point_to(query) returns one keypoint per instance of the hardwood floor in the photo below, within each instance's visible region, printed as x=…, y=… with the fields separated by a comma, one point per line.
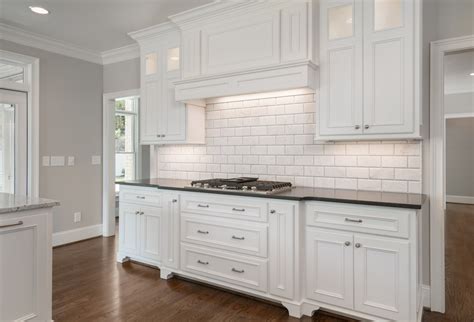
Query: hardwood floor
x=88, y=285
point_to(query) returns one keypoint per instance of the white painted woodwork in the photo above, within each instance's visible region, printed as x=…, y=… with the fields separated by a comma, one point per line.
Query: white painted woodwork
x=368, y=75
x=129, y=225
x=150, y=233
x=329, y=267
x=225, y=266
x=382, y=277
x=170, y=238
x=141, y=196
x=282, y=252
x=294, y=32
x=26, y=266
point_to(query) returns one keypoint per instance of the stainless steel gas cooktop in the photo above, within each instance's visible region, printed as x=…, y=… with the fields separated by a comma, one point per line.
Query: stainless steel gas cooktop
x=242, y=184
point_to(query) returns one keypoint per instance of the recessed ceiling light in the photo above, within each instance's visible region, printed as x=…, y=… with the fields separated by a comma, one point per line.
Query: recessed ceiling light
x=472, y=74
x=39, y=10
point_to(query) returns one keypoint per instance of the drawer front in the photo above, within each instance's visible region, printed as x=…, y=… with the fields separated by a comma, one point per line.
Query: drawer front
x=228, y=206
x=143, y=196
x=226, y=267
x=225, y=234
x=367, y=219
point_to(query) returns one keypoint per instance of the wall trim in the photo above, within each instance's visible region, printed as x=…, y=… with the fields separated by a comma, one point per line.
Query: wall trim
x=458, y=115
x=74, y=235
x=460, y=199
x=426, y=295
x=120, y=54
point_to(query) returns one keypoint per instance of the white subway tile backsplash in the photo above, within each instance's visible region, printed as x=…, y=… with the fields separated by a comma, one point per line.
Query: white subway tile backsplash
x=273, y=138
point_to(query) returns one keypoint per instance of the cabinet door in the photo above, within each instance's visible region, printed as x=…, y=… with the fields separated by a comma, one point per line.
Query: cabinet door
x=171, y=214
x=340, y=110
x=25, y=268
x=129, y=225
x=282, y=249
x=382, y=275
x=174, y=114
x=150, y=233
x=329, y=267
x=151, y=111
x=388, y=66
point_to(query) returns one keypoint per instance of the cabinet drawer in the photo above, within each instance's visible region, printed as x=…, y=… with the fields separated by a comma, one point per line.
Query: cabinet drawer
x=230, y=207
x=226, y=267
x=142, y=196
x=367, y=219
x=225, y=234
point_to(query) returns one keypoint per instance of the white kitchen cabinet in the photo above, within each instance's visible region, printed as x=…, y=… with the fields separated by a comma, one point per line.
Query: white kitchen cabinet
x=129, y=224
x=382, y=277
x=26, y=266
x=162, y=119
x=150, y=233
x=282, y=249
x=369, y=79
x=171, y=216
x=329, y=267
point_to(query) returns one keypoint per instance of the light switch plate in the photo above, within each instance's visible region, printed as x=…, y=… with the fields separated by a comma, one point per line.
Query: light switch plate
x=57, y=161
x=96, y=159
x=70, y=160
x=77, y=217
x=46, y=161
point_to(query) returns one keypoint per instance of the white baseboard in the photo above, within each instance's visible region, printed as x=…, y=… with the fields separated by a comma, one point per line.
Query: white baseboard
x=460, y=199
x=74, y=235
x=426, y=290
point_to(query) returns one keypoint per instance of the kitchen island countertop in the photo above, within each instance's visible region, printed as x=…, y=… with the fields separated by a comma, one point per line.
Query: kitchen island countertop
x=12, y=203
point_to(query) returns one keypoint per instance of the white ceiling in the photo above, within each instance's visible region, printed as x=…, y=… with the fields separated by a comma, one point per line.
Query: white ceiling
x=95, y=25
x=457, y=68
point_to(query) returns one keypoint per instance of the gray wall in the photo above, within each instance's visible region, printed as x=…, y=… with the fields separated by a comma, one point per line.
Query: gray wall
x=123, y=76
x=460, y=157
x=70, y=125
x=459, y=103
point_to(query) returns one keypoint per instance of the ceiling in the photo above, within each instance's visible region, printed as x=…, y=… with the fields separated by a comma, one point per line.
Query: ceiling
x=457, y=68
x=95, y=25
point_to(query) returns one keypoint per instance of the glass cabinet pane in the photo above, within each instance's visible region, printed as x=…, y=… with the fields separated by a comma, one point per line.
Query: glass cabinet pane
x=340, y=20
x=173, y=59
x=151, y=63
x=387, y=14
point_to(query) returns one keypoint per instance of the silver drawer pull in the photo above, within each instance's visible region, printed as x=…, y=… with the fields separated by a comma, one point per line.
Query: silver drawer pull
x=238, y=209
x=354, y=220
x=203, y=232
x=12, y=225
x=140, y=197
x=201, y=262
x=272, y=211
x=203, y=206
x=174, y=200
x=237, y=270
x=238, y=238
x=137, y=212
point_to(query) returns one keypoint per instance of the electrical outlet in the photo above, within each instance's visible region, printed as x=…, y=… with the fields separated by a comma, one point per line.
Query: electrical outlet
x=96, y=159
x=77, y=217
x=70, y=161
x=46, y=161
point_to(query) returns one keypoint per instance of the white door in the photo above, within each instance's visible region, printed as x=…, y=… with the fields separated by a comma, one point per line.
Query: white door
x=340, y=111
x=13, y=142
x=174, y=114
x=171, y=230
x=129, y=225
x=382, y=277
x=25, y=269
x=329, y=267
x=150, y=233
x=388, y=66
x=281, y=247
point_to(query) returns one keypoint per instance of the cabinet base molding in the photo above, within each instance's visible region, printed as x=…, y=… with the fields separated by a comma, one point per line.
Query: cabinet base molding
x=294, y=309
x=308, y=309
x=122, y=258
x=165, y=274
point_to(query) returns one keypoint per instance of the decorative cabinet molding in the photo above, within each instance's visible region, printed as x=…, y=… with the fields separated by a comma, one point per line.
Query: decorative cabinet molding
x=163, y=120
x=246, y=47
x=369, y=82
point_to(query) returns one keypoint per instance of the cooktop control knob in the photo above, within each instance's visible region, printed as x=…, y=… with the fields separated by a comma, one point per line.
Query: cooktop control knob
x=254, y=188
x=206, y=185
x=245, y=188
x=224, y=186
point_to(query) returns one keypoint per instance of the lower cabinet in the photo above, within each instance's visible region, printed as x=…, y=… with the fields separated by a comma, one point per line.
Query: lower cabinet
x=171, y=209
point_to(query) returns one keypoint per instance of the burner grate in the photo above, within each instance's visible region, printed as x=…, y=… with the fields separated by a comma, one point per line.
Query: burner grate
x=243, y=184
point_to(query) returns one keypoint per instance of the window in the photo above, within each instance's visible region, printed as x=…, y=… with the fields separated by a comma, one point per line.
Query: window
x=126, y=139
x=11, y=72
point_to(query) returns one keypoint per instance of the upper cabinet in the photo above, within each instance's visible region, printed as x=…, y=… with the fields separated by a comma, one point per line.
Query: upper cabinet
x=163, y=120
x=232, y=48
x=369, y=67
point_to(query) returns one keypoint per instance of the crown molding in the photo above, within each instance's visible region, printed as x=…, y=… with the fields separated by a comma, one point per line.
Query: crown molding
x=31, y=39
x=162, y=29
x=120, y=54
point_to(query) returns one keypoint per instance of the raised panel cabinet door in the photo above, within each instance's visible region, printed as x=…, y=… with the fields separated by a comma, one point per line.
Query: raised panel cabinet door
x=170, y=231
x=389, y=102
x=282, y=249
x=151, y=233
x=174, y=115
x=382, y=277
x=151, y=111
x=294, y=32
x=340, y=110
x=129, y=225
x=329, y=267
x=25, y=268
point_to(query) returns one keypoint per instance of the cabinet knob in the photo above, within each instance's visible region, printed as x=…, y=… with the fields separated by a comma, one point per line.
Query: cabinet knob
x=272, y=211
x=357, y=127
x=163, y=135
x=175, y=200
x=142, y=213
x=347, y=243
x=137, y=212
x=357, y=245
x=366, y=126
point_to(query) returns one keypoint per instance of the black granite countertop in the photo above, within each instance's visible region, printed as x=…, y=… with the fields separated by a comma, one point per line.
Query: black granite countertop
x=375, y=198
